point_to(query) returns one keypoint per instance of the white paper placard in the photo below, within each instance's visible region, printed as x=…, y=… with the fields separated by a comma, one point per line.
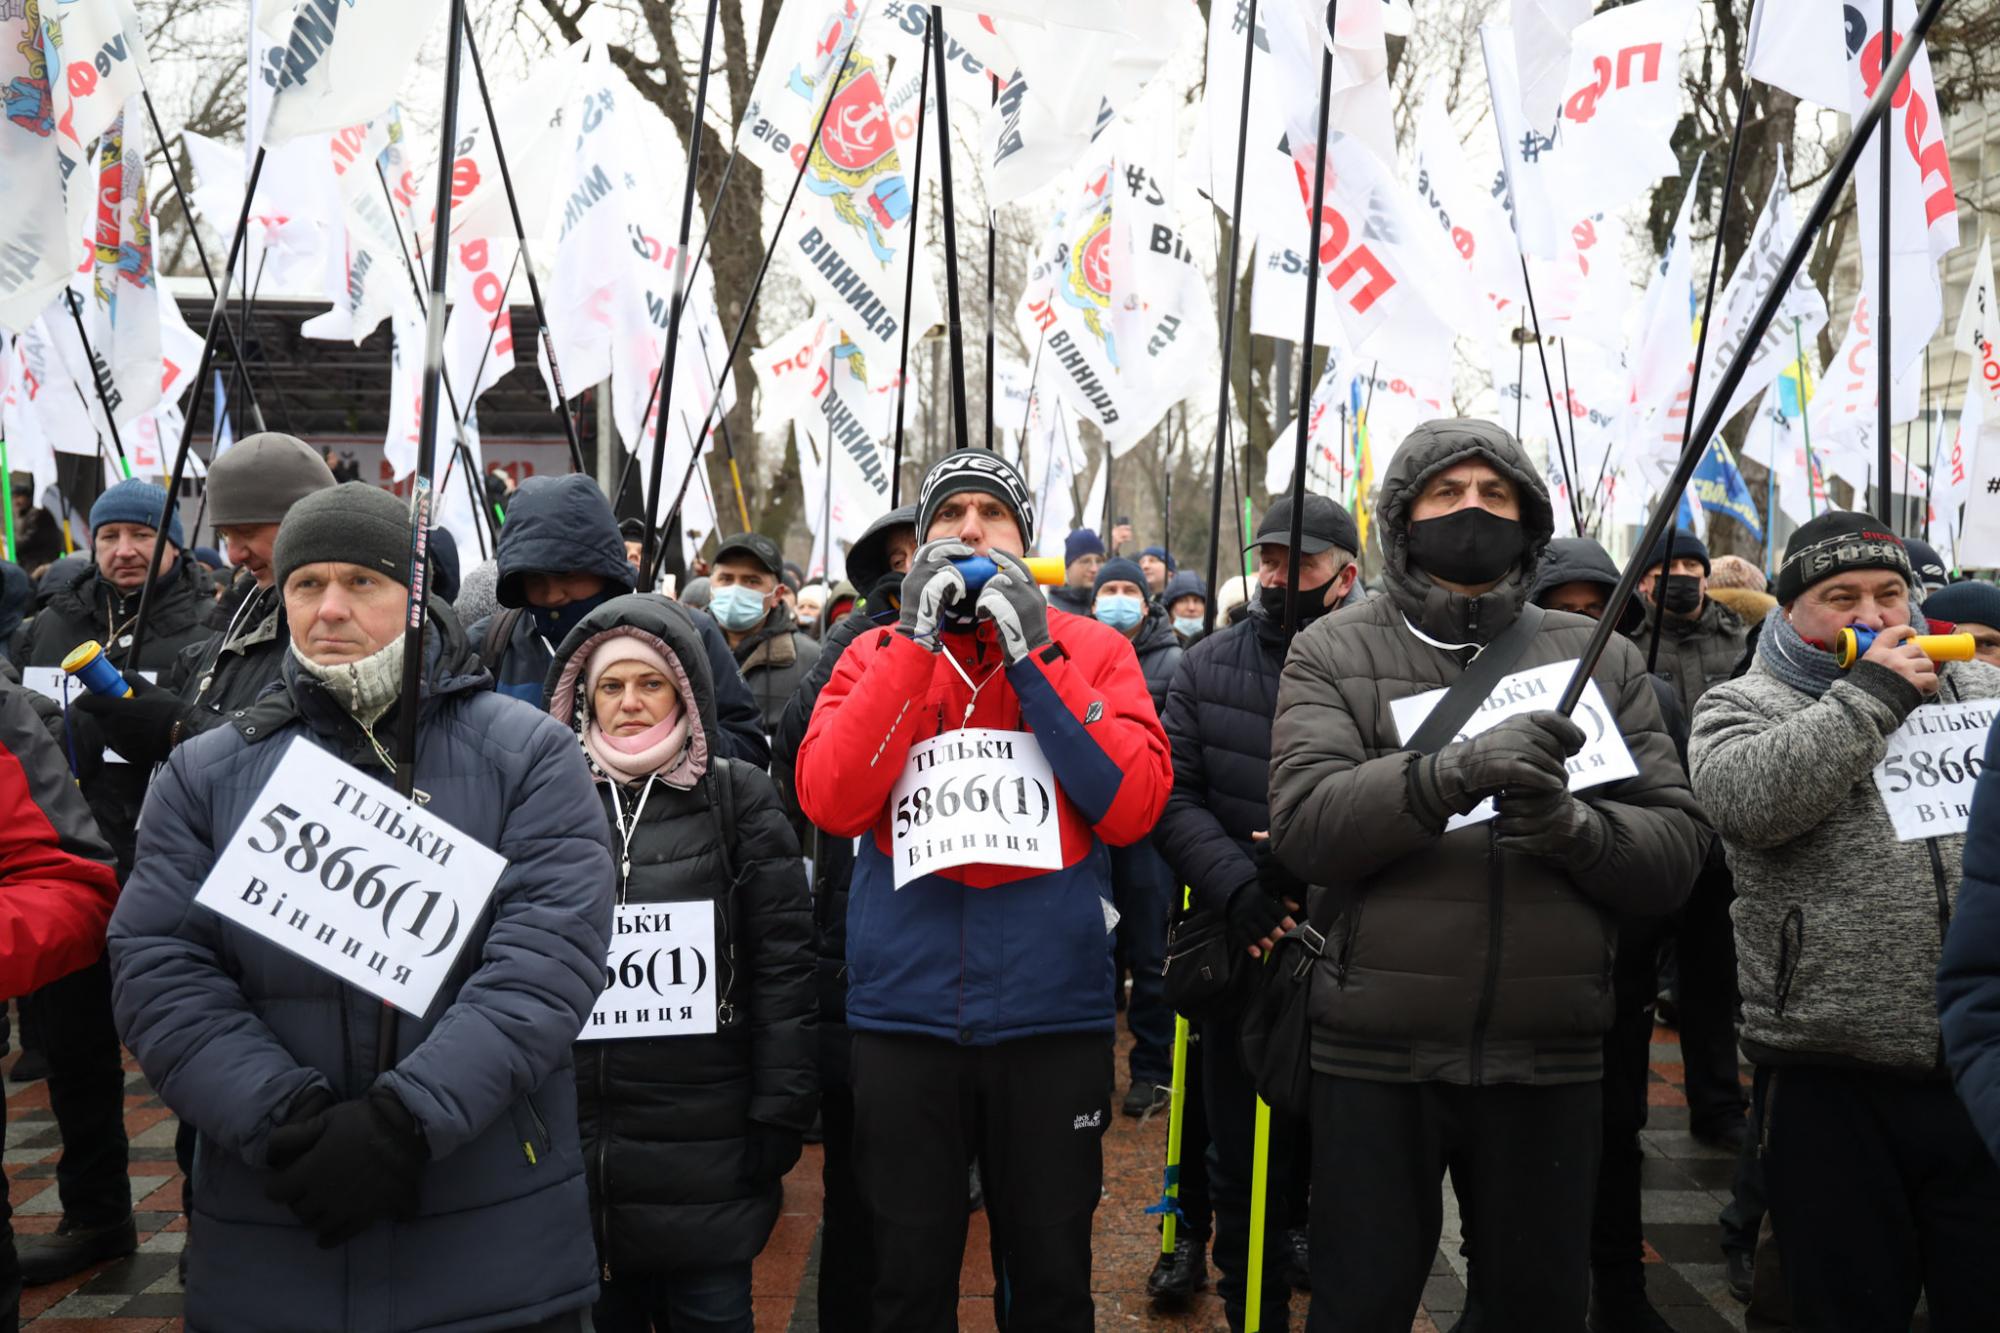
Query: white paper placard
x=1603, y=758
x=977, y=796
x=49, y=682
x=1931, y=765
x=332, y=865
x=660, y=974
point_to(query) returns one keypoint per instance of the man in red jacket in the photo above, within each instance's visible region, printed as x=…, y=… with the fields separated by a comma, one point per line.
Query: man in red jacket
x=985, y=751
x=56, y=890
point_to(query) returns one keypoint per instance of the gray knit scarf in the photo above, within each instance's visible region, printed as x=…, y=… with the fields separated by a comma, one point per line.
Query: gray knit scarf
x=1809, y=670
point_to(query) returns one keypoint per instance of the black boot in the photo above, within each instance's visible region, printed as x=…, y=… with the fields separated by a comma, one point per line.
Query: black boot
x=1178, y=1276
x=71, y=1249
x=1622, y=1308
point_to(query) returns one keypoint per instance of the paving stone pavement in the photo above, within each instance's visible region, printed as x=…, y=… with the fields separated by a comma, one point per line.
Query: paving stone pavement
x=1685, y=1185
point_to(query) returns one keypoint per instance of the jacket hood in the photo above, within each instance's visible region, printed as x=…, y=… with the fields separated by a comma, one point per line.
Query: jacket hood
x=660, y=620
x=560, y=525
x=1426, y=451
x=16, y=590
x=868, y=558
x=1581, y=560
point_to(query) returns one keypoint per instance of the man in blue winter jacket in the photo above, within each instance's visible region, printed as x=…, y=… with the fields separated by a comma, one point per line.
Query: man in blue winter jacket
x=437, y=1184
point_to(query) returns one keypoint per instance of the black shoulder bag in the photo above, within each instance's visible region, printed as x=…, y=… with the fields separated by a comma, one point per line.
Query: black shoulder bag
x=1277, y=1027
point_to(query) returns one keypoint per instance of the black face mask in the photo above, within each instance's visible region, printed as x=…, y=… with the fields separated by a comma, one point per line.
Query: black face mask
x=1680, y=594
x=1469, y=545
x=1312, y=604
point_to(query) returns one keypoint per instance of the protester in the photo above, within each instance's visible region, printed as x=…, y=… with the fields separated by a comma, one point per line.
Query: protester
x=561, y=558
x=1234, y=596
x=1083, y=554
x=1839, y=929
x=878, y=559
x=38, y=536
x=1158, y=566
x=1186, y=603
x=773, y=654
x=478, y=592
x=695, y=596
x=72, y=1018
x=1577, y=575
x=633, y=530
x=1218, y=717
x=983, y=1019
x=1973, y=608
x=1459, y=1017
x=1700, y=643
x=840, y=599
x=812, y=601
x=687, y=1137
x=57, y=884
x=1968, y=984
x=1142, y=888
x=465, y=1154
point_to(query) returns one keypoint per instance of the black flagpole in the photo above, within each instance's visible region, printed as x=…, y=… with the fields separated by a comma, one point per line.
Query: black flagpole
x=1312, y=309
x=200, y=250
x=1884, y=371
x=650, y=550
x=97, y=378
x=1711, y=416
x=960, y=432
x=208, y=344
x=1549, y=388
x=992, y=344
x=420, y=482
x=521, y=236
x=910, y=271
x=1229, y=320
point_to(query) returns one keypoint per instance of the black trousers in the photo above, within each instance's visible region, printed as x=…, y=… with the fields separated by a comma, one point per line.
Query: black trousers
x=1034, y=1112
x=1231, y=1102
x=74, y=1026
x=847, y=1236
x=1617, y=1238
x=1197, y=1206
x=1705, y=947
x=1880, y=1188
x=1528, y=1158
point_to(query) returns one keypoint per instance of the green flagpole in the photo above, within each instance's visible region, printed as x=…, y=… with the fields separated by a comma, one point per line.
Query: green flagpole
x=7, y=494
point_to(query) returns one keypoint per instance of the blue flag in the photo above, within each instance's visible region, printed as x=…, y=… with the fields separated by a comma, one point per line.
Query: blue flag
x=1720, y=487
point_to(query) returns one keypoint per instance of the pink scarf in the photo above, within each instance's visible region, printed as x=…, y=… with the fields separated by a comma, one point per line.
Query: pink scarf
x=660, y=749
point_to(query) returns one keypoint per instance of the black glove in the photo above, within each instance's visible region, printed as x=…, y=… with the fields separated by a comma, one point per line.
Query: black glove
x=141, y=727
x=362, y=1168
x=932, y=584
x=82, y=743
x=1553, y=825
x=304, y=1123
x=1522, y=753
x=1016, y=607
x=1253, y=916
x=769, y=1152
x=1277, y=879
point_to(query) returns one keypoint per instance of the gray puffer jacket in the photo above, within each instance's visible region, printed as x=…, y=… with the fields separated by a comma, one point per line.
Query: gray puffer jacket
x=232, y=1029
x=1696, y=654
x=1447, y=961
x=1839, y=926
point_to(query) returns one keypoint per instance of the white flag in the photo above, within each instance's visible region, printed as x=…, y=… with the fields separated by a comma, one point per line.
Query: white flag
x=337, y=62
x=1800, y=316
x=122, y=297
x=39, y=248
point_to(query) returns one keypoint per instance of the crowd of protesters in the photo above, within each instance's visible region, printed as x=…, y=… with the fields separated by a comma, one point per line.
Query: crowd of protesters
x=1341, y=828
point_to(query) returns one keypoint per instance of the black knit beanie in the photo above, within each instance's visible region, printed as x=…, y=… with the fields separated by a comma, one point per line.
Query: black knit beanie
x=1835, y=543
x=975, y=470
x=353, y=523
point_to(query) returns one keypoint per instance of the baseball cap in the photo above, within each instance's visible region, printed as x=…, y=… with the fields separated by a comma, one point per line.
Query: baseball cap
x=755, y=545
x=1327, y=525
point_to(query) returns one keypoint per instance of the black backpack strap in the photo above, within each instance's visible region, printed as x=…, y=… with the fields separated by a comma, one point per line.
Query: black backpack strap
x=499, y=632
x=721, y=786
x=1461, y=700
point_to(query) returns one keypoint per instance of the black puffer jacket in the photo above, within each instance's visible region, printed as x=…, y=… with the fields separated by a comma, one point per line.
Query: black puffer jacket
x=88, y=606
x=1218, y=719
x=230, y=668
x=1159, y=650
x=668, y=1122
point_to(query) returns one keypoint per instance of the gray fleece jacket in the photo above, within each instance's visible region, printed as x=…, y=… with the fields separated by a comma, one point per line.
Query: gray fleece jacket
x=1838, y=925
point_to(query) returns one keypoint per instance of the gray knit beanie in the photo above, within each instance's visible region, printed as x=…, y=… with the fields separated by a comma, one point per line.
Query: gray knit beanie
x=261, y=477
x=353, y=523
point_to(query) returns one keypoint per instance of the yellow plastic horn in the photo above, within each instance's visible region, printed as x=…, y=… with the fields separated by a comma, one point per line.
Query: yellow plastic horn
x=1850, y=645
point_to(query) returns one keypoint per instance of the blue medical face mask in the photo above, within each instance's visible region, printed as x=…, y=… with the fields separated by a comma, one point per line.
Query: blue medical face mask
x=1188, y=626
x=1121, y=611
x=737, y=608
